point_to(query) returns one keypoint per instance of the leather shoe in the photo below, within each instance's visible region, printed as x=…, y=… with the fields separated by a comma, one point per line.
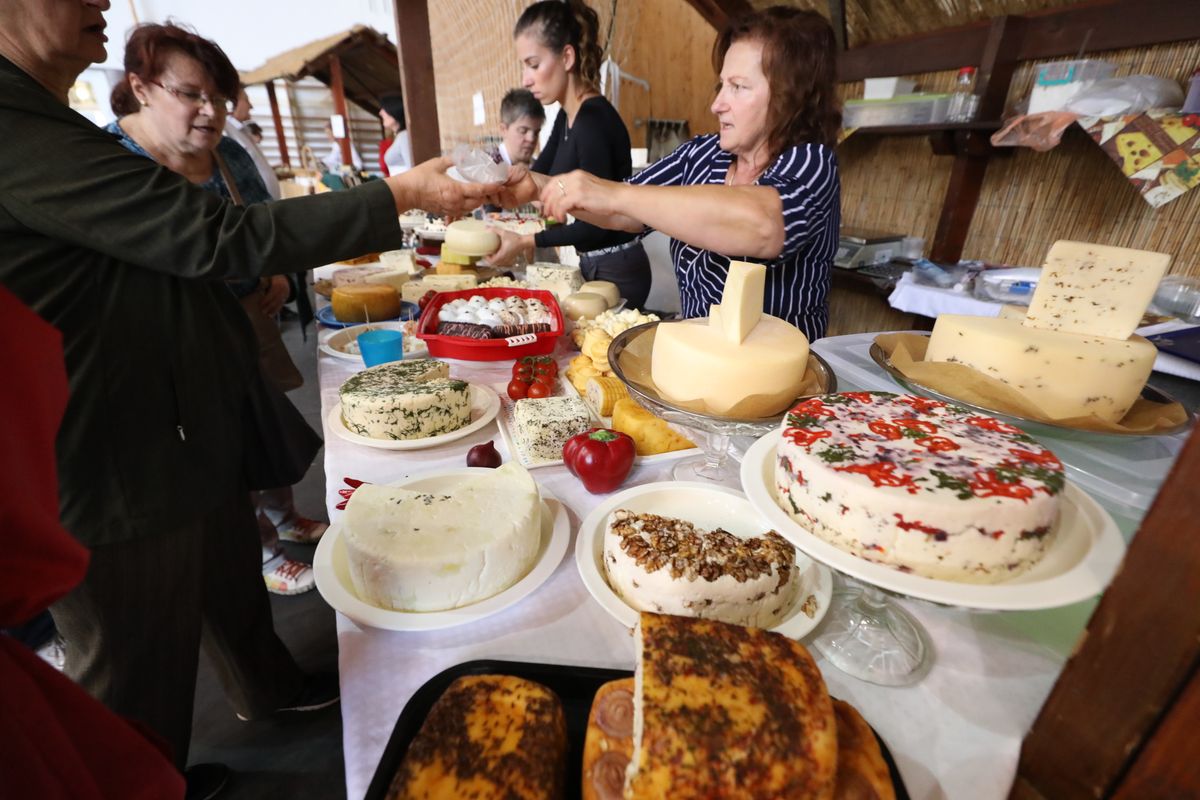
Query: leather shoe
x=205, y=781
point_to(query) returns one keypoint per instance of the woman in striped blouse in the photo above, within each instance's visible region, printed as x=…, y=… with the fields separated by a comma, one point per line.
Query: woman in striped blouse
x=765, y=188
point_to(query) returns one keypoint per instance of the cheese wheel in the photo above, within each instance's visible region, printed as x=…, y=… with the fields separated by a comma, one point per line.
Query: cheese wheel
x=471, y=237
x=606, y=289
x=360, y=302
x=584, y=305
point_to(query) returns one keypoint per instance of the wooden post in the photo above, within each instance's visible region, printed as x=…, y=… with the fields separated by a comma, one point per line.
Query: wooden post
x=996, y=66
x=339, y=105
x=718, y=12
x=1122, y=702
x=283, y=149
x=417, y=79
x=837, y=19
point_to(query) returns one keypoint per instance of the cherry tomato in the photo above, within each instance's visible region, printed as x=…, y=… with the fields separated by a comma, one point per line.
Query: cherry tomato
x=518, y=390
x=522, y=372
x=548, y=380
x=538, y=389
x=547, y=368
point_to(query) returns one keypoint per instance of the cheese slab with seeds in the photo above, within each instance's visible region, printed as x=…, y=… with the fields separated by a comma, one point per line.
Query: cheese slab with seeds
x=1067, y=375
x=1095, y=289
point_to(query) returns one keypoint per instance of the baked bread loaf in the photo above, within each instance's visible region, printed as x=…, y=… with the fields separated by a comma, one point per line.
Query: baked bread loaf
x=488, y=737
x=727, y=711
x=608, y=745
x=862, y=774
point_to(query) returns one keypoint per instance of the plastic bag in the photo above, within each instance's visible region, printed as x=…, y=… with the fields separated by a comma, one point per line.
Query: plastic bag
x=477, y=166
x=1036, y=131
x=1129, y=95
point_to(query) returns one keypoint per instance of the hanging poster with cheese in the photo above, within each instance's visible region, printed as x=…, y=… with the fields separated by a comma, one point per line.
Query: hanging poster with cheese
x=1158, y=151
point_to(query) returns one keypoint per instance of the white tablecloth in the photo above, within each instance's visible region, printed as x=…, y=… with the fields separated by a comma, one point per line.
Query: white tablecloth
x=955, y=734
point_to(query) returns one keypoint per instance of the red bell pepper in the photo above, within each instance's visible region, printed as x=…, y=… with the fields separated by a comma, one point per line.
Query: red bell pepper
x=601, y=458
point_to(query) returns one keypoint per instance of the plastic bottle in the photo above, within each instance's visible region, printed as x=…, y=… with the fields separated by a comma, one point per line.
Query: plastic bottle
x=964, y=102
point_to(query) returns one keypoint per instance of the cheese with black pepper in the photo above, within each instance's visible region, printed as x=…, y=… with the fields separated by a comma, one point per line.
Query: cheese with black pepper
x=1067, y=375
x=1094, y=289
x=405, y=400
x=544, y=424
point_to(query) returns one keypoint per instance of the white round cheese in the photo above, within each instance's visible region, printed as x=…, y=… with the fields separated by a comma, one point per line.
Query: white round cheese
x=419, y=551
x=471, y=237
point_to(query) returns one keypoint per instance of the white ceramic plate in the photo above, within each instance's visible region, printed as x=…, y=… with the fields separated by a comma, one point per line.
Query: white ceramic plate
x=1083, y=556
x=484, y=405
x=516, y=447
x=332, y=570
x=707, y=507
x=333, y=342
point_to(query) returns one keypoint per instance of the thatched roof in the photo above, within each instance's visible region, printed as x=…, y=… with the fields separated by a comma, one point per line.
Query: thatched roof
x=370, y=66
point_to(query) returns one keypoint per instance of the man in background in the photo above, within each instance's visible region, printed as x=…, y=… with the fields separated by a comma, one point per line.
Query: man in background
x=521, y=121
x=236, y=128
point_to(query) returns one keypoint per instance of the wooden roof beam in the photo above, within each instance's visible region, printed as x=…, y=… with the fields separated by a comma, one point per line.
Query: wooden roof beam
x=417, y=79
x=718, y=12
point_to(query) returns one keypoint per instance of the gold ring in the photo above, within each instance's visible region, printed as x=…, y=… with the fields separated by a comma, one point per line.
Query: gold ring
x=562, y=187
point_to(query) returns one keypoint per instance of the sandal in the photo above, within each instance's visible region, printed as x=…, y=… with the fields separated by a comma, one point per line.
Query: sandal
x=302, y=530
x=287, y=577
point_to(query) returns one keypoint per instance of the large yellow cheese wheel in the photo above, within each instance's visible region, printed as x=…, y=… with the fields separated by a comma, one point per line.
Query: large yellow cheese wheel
x=358, y=303
x=471, y=237
x=694, y=365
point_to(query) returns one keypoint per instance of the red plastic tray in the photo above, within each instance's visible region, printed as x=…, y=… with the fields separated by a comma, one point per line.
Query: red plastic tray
x=487, y=349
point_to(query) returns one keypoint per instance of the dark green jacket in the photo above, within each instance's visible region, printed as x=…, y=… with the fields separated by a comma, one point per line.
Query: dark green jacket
x=127, y=260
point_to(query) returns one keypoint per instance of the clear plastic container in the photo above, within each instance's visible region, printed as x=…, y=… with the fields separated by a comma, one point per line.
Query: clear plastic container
x=1179, y=296
x=912, y=109
x=1059, y=81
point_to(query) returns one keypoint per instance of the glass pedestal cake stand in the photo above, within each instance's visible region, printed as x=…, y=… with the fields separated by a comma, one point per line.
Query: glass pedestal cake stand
x=629, y=356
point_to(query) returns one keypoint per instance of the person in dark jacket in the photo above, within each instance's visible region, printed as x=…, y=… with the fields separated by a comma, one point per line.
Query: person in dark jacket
x=128, y=261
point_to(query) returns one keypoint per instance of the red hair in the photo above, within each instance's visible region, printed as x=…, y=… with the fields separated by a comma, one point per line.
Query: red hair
x=146, y=53
x=799, y=60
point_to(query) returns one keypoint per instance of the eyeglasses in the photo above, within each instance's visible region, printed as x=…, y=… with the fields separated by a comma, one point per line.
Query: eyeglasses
x=198, y=99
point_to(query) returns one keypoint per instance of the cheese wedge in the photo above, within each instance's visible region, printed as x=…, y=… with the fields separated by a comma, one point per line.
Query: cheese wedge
x=741, y=302
x=1067, y=374
x=1095, y=289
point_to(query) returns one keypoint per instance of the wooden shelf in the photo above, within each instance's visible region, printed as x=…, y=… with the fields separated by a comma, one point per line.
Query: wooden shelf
x=938, y=127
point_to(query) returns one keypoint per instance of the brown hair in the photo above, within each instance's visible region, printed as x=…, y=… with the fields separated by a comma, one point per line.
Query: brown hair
x=799, y=61
x=558, y=24
x=146, y=52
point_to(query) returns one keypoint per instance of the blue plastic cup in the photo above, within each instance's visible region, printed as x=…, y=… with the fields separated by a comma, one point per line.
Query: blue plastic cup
x=381, y=347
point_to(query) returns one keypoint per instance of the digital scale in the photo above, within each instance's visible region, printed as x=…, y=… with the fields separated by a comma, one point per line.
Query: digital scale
x=859, y=248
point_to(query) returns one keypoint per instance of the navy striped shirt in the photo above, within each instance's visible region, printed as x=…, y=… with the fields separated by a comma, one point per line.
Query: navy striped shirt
x=806, y=177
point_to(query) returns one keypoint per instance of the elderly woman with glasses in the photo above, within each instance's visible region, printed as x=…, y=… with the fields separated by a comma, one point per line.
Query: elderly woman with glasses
x=128, y=261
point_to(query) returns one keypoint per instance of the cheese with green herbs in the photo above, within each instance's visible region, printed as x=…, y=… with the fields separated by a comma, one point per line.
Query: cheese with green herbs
x=405, y=400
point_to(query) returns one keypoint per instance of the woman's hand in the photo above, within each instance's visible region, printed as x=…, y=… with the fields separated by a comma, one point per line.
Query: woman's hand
x=275, y=294
x=428, y=187
x=578, y=191
x=512, y=245
x=521, y=187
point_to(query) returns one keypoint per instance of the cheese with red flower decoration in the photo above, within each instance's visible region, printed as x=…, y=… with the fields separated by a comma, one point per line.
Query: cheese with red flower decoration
x=921, y=485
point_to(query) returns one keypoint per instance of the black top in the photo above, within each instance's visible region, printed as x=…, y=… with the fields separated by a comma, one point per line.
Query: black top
x=597, y=143
x=128, y=261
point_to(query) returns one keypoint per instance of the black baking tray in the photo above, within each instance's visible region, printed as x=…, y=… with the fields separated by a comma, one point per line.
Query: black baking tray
x=575, y=686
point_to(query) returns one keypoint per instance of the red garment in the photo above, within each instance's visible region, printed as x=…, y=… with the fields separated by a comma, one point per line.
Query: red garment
x=55, y=739
x=383, y=148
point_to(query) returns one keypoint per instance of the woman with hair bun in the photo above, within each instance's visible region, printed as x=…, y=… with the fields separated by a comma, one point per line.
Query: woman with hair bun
x=764, y=188
x=560, y=63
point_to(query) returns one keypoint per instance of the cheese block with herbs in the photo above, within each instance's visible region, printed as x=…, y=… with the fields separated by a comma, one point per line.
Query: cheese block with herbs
x=488, y=737
x=738, y=362
x=728, y=711
x=1095, y=289
x=669, y=565
x=1067, y=375
x=563, y=280
x=544, y=424
x=918, y=484
x=364, y=302
x=400, y=400
x=411, y=550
